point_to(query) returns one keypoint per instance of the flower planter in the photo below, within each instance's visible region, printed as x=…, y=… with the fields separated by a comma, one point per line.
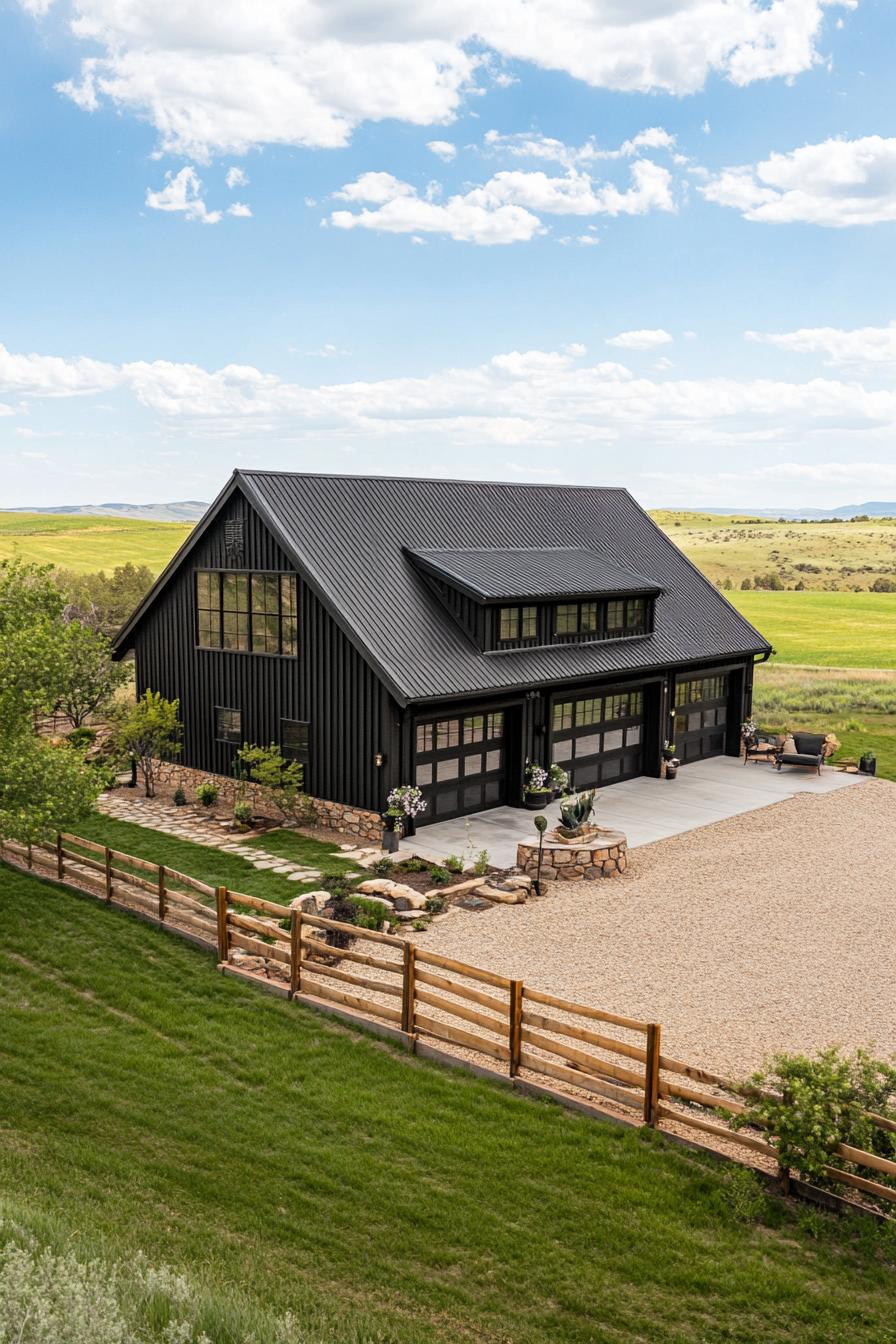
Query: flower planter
x=409, y=825
x=391, y=839
x=672, y=768
x=534, y=802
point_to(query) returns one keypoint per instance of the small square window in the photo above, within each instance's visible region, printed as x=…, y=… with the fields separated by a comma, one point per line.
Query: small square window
x=295, y=739
x=228, y=725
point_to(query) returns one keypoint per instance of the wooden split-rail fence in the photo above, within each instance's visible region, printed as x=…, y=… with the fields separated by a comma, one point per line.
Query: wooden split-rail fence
x=425, y=997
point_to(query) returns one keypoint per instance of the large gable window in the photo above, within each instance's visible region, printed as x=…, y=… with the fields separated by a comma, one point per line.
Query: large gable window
x=247, y=612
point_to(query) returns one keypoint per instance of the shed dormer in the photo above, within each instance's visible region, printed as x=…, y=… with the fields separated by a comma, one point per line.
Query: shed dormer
x=521, y=597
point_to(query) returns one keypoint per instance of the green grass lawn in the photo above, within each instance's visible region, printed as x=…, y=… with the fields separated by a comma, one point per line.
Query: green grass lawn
x=87, y=544
x=825, y=629
x=258, y=1147
x=213, y=865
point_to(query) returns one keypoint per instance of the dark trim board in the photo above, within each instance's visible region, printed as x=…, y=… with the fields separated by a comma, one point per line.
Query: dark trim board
x=383, y=647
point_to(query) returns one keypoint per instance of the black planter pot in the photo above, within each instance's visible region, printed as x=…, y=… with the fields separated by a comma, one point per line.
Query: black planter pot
x=409, y=826
x=534, y=802
x=672, y=768
x=868, y=766
x=668, y=755
x=391, y=840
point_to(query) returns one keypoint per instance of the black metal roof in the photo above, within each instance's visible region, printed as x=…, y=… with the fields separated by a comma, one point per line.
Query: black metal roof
x=498, y=573
x=349, y=536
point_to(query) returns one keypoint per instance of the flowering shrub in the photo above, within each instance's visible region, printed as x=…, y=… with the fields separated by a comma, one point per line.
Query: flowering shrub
x=407, y=800
x=536, y=778
x=559, y=778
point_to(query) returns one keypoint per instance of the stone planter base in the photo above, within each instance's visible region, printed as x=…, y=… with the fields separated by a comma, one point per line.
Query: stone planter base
x=601, y=855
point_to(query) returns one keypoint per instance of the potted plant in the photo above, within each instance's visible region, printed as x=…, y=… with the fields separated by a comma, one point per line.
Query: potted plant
x=391, y=829
x=558, y=780
x=672, y=765
x=668, y=751
x=575, y=814
x=536, y=790
x=410, y=803
x=868, y=763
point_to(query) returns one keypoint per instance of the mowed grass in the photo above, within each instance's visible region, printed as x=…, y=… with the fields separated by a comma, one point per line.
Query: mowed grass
x=848, y=554
x=254, y=1145
x=825, y=629
x=88, y=544
x=214, y=866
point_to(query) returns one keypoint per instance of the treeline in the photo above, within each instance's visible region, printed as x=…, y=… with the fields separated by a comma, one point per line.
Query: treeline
x=103, y=601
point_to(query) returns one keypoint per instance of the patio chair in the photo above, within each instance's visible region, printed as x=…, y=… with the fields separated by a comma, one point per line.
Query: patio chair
x=761, y=747
x=808, y=750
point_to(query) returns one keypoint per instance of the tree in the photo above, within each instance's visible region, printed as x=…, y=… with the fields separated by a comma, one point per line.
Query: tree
x=44, y=788
x=104, y=601
x=283, y=781
x=89, y=676
x=149, y=731
x=746, y=585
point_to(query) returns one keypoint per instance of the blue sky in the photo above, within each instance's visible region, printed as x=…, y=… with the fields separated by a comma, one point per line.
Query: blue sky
x=644, y=243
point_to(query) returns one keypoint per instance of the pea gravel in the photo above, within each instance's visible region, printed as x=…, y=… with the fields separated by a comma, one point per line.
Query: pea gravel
x=773, y=930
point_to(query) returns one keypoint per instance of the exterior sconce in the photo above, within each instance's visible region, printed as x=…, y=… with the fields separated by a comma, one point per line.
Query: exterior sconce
x=379, y=760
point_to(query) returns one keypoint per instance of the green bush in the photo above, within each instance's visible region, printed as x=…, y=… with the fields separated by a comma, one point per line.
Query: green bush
x=242, y=812
x=481, y=864
x=207, y=793
x=454, y=863
x=81, y=738
x=436, y=904
x=180, y=798
x=382, y=867
x=810, y=1104
x=440, y=875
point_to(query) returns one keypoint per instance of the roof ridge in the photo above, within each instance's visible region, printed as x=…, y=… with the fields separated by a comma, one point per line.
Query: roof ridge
x=428, y=480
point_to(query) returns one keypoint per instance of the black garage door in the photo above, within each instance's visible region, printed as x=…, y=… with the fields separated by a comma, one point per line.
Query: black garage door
x=459, y=764
x=701, y=714
x=597, y=737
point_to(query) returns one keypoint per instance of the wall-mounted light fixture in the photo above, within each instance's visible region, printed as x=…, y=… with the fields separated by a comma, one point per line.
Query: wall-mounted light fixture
x=379, y=760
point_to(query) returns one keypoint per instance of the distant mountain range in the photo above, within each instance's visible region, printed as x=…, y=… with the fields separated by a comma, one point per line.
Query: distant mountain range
x=191, y=510
x=875, y=508
x=181, y=511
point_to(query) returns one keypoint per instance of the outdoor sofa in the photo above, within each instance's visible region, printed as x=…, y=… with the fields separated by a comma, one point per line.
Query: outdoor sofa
x=806, y=749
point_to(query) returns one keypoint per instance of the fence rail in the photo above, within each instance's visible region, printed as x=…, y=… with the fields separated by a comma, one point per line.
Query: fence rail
x=433, y=997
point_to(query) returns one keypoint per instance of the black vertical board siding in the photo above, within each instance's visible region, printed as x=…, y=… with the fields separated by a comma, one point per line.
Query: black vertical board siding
x=329, y=684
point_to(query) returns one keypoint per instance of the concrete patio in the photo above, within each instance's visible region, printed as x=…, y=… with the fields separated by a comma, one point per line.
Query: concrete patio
x=644, y=809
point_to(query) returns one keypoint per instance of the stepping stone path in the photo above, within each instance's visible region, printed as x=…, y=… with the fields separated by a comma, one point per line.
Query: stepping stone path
x=187, y=824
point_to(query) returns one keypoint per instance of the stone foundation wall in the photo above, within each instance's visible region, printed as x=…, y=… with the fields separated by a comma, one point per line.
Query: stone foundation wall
x=597, y=856
x=339, y=817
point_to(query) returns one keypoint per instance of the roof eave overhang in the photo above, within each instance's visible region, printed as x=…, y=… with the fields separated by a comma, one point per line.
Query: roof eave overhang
x=635, y=589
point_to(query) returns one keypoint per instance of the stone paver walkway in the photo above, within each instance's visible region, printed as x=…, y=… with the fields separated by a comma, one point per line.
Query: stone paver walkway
x=186, y=823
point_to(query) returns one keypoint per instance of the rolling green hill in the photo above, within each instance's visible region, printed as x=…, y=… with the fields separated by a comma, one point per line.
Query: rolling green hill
x=88, y=543
x=287, y=1164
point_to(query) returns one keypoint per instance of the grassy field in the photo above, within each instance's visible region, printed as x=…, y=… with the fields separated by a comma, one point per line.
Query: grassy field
x=88, y=544
x=819, y=555
x=214, y=866
x=825, y=629
x=244, y=1140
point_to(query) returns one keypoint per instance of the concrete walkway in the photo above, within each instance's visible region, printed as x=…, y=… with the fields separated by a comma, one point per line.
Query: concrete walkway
x=643, y=809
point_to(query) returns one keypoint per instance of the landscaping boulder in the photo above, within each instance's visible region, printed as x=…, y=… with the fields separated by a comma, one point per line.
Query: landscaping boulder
x=490, y=893
x=308, y=902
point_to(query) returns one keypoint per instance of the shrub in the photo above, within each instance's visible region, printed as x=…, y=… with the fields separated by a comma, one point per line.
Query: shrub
x=436, y=904
x=368, y=914
x=81, y=738
x=207, y=793
x=382, y=866
x=282, y=780
x=440, y=875
x=810, y=1104
x=454, y=863
x=413, y=865
x=481, y=864
x=180, y=798
x=242, y=812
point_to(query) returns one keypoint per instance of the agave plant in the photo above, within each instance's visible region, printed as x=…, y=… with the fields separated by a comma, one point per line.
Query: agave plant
x=576, y=810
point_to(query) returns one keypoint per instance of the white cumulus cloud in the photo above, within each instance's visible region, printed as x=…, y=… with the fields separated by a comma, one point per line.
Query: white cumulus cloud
x=182, y=194
x=836, y=183
x=862, y=345
x=236, y=177
x=443, y=149
x=644, y=339
x=223, y=78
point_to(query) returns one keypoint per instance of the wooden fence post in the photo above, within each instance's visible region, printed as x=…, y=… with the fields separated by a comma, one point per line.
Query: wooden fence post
x=408, y=988
x=295, y=952
x=221, y=900
x=516, y=1025
x=60, y=857
x=108, y=857
x=652, y=1074
x=162, y=893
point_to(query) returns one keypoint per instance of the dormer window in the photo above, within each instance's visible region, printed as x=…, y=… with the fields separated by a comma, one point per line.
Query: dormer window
x=516, y=624
x=576, y=618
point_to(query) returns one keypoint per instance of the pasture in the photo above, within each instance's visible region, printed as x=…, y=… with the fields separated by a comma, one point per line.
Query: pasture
x=243, y=1140
x=825, y=629
x=821, y=556
x=86, y=544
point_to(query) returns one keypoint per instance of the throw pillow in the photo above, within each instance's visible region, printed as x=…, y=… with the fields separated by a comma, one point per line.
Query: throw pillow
x=789, y=746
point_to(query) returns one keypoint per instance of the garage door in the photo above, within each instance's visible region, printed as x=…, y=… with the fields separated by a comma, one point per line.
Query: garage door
x=597, y=737
x=459, y=764
x=701, y=714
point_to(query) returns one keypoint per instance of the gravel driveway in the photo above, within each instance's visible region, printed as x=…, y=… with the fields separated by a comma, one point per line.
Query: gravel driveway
x=771, y=930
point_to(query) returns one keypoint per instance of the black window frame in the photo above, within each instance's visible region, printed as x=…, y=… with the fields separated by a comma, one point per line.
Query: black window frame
x=302, y=751
x=521, y=622
x=238, y=610
x=231, y=736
